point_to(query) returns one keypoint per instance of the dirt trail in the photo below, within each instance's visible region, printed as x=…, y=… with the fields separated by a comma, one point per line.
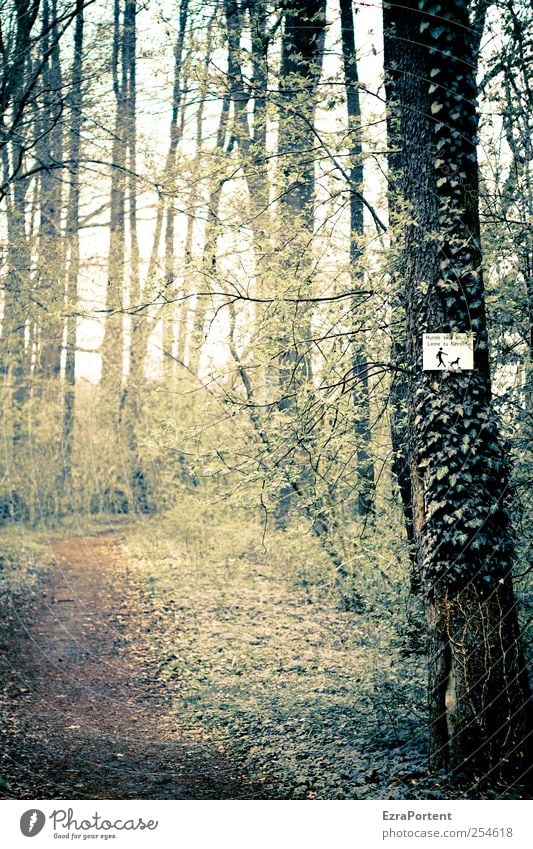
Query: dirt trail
x=84, y=716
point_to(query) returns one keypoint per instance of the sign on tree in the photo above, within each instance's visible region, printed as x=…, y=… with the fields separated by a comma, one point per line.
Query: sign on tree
x=447, y=352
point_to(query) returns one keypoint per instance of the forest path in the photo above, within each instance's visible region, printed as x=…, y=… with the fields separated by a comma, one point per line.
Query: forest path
x=85, y=714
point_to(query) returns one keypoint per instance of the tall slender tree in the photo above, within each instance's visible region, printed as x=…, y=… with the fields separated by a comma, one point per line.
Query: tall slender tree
x=50, y=269
x=16, y=85
x=113, y=342
x=302, y=53
x=75, y=109
x=131, y=403
x=170, y=186
x=361, y=399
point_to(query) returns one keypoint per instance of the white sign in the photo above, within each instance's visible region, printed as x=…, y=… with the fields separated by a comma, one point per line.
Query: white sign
x=447, y=351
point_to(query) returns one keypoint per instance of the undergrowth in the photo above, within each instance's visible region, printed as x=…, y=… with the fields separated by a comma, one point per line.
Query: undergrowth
x=25, y=558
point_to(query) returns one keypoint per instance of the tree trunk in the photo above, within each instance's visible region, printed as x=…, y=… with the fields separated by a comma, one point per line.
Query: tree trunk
x=361, y=397
x=183, y=310
x=75, y=105
x=51, y=270
x=400, y=376
x=113, y=341
x=131, y=401
x=209, y=258
x=16, y=312
x=170, y=188
x=17, y=305
x=301, y=67
x=479, y=696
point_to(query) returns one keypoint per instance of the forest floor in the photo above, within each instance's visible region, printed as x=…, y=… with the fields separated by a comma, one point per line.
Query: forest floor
x=187, y=660
x=83, y=714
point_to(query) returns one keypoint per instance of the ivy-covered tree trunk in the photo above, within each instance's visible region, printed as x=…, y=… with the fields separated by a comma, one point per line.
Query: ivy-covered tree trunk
x=479, y=696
